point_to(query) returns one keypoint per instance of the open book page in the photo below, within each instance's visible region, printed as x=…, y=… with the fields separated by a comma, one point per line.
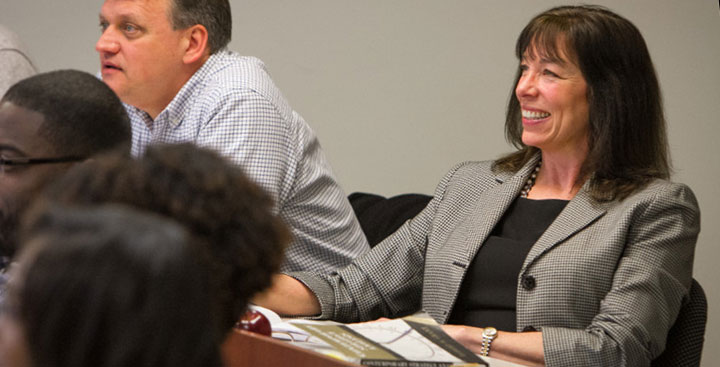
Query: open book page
x=417, y=339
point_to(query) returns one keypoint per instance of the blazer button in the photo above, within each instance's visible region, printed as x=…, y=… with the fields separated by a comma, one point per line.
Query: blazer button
x=528, y=282
x=529, y=328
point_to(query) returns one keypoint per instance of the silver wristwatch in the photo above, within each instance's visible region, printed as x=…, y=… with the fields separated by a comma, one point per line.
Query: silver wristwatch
x=488, y=335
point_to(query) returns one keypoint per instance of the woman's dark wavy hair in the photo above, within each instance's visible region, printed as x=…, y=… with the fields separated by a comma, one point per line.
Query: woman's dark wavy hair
x=627, y=135
x=213, y=199
x=112, y=287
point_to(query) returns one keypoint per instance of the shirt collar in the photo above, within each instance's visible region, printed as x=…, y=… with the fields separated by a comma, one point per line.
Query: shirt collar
x=175, y=111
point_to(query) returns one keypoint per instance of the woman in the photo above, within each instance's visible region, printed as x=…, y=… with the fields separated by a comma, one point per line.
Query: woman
x=576, y=246
x=109, y=287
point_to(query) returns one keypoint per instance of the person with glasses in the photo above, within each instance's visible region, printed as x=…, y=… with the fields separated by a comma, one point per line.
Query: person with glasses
x=48, y=123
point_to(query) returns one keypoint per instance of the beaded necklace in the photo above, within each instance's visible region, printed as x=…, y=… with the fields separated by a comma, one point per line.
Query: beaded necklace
x=531, y=181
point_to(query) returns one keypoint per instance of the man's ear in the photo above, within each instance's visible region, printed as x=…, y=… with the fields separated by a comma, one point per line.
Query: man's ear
x=196, y=44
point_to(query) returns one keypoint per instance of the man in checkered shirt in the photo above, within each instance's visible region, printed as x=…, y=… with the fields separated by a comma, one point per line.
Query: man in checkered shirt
x=167, y=61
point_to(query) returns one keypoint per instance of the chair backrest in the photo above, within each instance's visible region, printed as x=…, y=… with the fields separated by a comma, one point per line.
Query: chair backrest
x=380, y=217
x=685, y=340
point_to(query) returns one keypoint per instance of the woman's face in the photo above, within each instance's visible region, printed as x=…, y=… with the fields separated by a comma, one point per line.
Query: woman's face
x=553, y=97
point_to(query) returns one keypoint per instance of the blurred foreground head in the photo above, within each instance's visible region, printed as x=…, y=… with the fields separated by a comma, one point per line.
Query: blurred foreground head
x=108, y=286
x=227, y=213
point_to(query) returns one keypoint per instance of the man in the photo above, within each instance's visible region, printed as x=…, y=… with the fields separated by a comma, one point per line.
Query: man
x=14, y=63
x=47, y=123
x=166, y=59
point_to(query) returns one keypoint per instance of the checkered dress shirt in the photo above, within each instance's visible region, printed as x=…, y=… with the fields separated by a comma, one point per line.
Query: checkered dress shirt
x=232, y=106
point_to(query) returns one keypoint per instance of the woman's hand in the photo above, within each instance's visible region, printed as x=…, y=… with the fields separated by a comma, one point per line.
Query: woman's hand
x=523, y=348
x=289, y=297
x=470, y=337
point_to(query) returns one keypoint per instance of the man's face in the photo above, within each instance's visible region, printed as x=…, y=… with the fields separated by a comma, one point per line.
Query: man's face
x=19, y=138
x=141, y=56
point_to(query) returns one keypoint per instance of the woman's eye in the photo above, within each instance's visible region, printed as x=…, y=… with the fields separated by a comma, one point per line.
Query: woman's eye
x=550, y=73
x=103, y=26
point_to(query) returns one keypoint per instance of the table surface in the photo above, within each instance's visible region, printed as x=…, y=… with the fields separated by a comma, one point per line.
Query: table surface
x=494, y=362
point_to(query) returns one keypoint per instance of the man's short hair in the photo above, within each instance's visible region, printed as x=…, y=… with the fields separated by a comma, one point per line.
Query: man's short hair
x=214, y=15
x=83, y=116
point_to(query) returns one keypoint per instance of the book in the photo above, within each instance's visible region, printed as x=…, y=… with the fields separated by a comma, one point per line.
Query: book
x=415, y=341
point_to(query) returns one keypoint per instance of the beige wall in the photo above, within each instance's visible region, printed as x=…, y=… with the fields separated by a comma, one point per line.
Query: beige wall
x=400, y=90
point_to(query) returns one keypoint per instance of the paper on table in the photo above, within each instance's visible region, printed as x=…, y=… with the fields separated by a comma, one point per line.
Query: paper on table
x=392, y=342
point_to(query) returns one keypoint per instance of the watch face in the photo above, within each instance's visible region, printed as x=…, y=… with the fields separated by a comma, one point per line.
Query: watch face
x=490, y=331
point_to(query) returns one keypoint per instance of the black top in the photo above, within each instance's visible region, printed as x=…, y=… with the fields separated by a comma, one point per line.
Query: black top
x=487, y=295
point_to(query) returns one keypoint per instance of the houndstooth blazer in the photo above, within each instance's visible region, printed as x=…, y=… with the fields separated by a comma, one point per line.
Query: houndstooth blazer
x=604, y=283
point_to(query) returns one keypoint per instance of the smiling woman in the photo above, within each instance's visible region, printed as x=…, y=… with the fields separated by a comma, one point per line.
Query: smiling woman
x=553, y=98
x=605, y=56
x=575, y=250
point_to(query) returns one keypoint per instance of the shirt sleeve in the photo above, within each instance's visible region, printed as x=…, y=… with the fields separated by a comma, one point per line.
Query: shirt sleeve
x=246, y=128
x=15, y=67
x=278, y=150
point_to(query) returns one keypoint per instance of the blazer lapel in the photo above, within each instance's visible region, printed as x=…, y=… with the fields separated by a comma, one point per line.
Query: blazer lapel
x=468, y=237
x=491, y=205
x=579, y=213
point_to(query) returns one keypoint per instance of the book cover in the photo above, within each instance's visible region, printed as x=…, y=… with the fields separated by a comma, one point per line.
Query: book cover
x=392, y=343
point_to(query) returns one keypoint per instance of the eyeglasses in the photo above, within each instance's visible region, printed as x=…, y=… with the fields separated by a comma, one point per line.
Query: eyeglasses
x=6, y=163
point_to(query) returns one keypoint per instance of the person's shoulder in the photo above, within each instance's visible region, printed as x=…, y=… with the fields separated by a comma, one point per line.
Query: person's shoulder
x=472, y=169
x=228, y=75
x=665, y=193
x=9, y=41
x=662, y=187
x=7, y=38
x=469, y=174
x=229, y=69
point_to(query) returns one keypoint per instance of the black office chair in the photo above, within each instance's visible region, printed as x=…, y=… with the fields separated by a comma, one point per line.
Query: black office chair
x=685, y=341
x=380, y=217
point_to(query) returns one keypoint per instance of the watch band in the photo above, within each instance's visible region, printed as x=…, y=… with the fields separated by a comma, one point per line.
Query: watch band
x=488, y=335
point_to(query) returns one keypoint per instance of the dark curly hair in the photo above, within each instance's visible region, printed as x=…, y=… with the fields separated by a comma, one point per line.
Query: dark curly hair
x=213, y=199
x=111, y=286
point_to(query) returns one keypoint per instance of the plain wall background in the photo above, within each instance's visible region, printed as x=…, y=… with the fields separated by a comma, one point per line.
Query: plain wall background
x=400, y=90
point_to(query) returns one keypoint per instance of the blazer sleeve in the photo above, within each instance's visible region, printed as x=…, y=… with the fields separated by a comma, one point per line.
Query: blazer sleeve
x=387, y=280
x=652, y=277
